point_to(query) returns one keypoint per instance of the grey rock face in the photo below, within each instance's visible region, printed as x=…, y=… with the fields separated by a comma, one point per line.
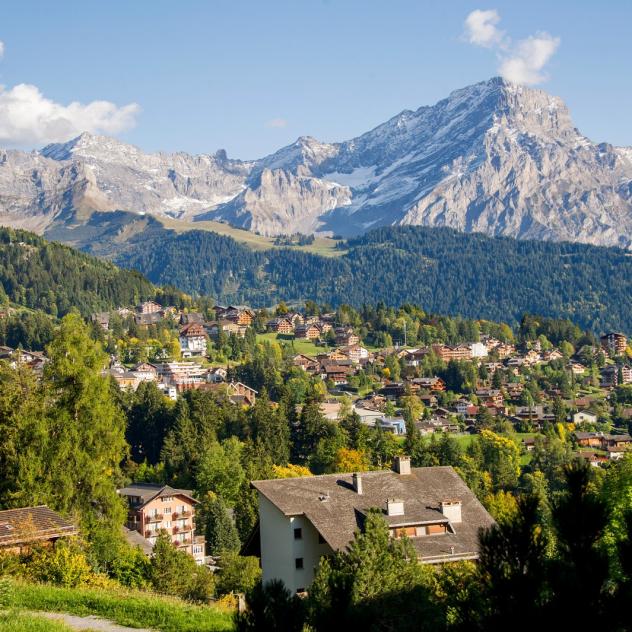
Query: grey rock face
x=493, y=157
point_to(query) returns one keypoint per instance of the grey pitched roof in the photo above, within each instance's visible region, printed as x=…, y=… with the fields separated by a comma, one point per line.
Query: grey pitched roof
x=148, y=491
x=33, y=523
x=336, y=510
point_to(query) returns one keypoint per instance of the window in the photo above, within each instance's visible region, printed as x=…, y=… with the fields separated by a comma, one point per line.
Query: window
x=167, y=524
x=298, y=563
x=166, y=499
x=167, y=509
x=298, y=533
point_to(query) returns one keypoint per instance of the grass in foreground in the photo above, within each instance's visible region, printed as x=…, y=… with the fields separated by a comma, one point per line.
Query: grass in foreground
x=132, y=608
x=15, y=621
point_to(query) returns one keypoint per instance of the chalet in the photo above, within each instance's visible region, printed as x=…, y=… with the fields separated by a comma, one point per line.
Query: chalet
x=303, y=519
x=447, y=352
x=337, y=372
x=240, y=393
x=614, y=343
x=296, y=318
x=324, y=327
x=191, y=317
x=280, y=326
x=227, y=327
x=306, y=363
x=309, y=332
x=413, y=357
x=155, y=509
x=588, y=439
x=554, y=354
x=593, y=458
x=493, y=396
x=145, y=319
x=193, y=340
x=577, y=368
x=238, y=314
x=435, y=384
x=528, y=443
x=393, y=390
x=428, y=399
x=126, y=380
x=584, y=417
x=149, y=307
x=355, y=353
x=217, y=374
x=345, y=337
x=22, y=528
x=438, y=423
x=145, y=372
x=102, y=319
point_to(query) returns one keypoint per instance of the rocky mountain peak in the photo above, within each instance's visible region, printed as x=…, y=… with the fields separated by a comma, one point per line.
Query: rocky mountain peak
x=494, y=157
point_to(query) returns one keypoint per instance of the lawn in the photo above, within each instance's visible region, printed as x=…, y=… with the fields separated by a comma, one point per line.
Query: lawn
x=132, y=608
x=16, y=621
x=306, y=347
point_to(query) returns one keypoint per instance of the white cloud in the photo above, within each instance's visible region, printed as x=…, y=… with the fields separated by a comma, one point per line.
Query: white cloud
x=28, y=118
x=522, y=61
x=529, y=57
x=1, y=49
x=276, y=122
x=481, y=30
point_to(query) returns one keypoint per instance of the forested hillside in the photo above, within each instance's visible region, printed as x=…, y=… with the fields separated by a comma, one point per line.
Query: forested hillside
x=442, y=270
x=53, y=278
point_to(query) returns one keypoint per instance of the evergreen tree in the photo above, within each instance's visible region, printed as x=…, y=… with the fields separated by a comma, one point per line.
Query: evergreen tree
x=86, y=436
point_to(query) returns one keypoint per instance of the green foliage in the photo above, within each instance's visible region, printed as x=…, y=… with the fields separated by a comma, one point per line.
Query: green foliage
x=217, y=526
x=271, y=607
x=237, y=574
x=572, y=280
x=376, y=584
x=174, y=572
x=55, y=279
x=65, y=564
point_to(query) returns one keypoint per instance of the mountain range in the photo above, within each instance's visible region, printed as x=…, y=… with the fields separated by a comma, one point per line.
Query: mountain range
x=495, y=157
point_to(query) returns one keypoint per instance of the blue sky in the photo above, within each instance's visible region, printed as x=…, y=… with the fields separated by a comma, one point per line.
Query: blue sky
x=251, y=76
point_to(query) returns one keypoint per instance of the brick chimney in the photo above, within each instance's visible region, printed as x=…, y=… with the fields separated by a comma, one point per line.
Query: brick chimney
x=357, y=483
x=401, y=465
x=451, y=509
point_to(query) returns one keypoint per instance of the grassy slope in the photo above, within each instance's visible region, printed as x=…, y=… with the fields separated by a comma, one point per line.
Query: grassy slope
x=15, y=621
x=126, y=607
x=300, y=346
x=324, y=246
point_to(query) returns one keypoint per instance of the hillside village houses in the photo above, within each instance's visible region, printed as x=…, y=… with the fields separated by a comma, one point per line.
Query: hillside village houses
x=344, y=357
x=302, y=519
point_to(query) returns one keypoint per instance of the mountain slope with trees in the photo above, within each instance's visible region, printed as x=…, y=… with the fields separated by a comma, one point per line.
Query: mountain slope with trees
x=54, y=279
x=442, y=270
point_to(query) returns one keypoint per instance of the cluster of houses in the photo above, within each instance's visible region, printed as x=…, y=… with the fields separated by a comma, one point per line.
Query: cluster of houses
x=175, y=377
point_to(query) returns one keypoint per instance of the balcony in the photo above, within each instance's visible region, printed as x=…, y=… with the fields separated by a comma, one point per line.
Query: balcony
x=149, y=534
x=185, y=542
x=156, y=518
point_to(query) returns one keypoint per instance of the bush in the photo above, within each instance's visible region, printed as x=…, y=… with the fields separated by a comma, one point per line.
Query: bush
x=64, y=564
x=237, y=574
x=174, y=572
x=271, y=607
